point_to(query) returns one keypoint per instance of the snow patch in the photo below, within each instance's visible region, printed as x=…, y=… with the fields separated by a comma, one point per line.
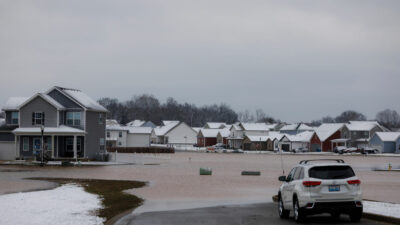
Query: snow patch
x=65, y=205
x=382, y=208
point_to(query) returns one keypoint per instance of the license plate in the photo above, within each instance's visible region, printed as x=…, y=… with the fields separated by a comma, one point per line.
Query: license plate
x=333, y=188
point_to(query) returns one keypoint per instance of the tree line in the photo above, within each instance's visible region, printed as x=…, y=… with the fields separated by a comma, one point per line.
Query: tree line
x=147, y=107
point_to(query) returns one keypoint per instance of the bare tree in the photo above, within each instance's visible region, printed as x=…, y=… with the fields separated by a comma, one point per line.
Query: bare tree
x=245, y=116
x=388, y=118
x=350, y=115
x=327, y=119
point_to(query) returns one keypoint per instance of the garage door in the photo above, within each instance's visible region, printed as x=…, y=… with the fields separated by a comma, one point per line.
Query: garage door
x=7, y=150
x=315, y=147
x=285, y=147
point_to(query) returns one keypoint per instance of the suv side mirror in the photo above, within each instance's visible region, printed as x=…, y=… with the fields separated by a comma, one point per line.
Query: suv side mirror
x=282, y=178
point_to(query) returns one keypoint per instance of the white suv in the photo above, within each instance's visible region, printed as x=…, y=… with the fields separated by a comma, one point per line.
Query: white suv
x=320, y=186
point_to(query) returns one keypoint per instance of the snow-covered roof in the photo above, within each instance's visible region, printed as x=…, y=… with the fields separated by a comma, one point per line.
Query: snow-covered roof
x=224, y=132
x=162, y=130
x=197, y=129
x=275, y=134
x=301, y=137
x=49, y=130
x=325, y=130
x=136, y=123
x=83, y=99
x=257, y=126
x=215, y=125
x=139, y=130
x=296, y=126
x=112, y=122
x=167, y=122
x=45, y=97
x=388, y=136
x=116, y=127
x=13, y=103
x=362, y=125
x=209, y=133
x=236, y=126
x=257, y=138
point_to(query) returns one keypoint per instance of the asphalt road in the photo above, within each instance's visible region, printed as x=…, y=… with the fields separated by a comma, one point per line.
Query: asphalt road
x=229, y=215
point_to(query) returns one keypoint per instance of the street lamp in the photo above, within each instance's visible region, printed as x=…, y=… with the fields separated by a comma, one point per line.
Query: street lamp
x=42, y=131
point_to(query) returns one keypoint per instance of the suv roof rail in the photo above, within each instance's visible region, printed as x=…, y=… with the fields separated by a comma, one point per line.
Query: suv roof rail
x=306, y=161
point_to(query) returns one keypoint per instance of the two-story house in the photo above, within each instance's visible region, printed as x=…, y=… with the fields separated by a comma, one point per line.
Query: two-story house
x=359, y=133
x=73, y=124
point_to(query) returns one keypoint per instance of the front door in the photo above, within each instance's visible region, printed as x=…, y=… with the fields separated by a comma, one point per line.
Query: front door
x=37, y=144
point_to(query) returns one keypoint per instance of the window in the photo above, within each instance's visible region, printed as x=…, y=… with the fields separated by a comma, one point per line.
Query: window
x=38, y=118
x=291, y=175
x=331, y=172
x=14, y=117
x=299, y=174
x=119, y=143
x=101, y=118
x=120, y=134
x=108, y=134
x=74, y=118
x=25, y=146
x=48, y=145
x=366, y=134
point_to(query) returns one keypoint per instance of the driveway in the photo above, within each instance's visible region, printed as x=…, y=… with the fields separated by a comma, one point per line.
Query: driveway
x=255, y=214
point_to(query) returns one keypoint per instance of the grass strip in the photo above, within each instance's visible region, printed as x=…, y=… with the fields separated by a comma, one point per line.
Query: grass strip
x=115, y=201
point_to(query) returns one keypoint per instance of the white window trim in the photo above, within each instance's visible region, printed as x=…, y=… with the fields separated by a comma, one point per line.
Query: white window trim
x=36, y=118
x=74, y=118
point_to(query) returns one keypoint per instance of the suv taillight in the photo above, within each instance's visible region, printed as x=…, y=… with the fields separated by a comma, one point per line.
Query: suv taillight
x=311, y=183
x=354, y=182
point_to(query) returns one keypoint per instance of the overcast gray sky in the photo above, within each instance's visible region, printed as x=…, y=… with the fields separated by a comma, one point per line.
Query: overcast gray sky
x=297, y=60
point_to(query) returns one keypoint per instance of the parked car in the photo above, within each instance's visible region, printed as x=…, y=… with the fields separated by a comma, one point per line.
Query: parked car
x=219, y=146
x=297, y=150
x=369, y=150
x=343, y=149
x=339, y=149
x=320, y=186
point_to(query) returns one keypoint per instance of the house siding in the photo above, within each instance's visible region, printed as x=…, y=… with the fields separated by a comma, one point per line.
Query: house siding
x=38, y=105
x=95, y=131
x=327, y=144
x=138, y=140
x=177, y=134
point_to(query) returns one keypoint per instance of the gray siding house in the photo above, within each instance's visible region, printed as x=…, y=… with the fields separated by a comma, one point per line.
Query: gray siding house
x=73, y=124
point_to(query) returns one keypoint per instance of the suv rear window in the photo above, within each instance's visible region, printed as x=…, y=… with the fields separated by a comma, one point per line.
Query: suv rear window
x=331, y=172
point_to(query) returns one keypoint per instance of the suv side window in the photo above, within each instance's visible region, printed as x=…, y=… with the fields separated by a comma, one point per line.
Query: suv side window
x=299, y=174
x=291, y=175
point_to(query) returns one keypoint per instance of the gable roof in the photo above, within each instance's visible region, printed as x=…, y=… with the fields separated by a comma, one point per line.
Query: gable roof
x=139, y=130
x=325, y=130
x=80, y=98
x=224, y=132
x=301, y=137
x=388, y=136
x=362, y=125
x=45, y=97
x=162, y=130
x=256, y=126
x=215, y=125
x=167, y=122
x=13, y=103
x=296, y=126
x=209, y=133
x=257, y=138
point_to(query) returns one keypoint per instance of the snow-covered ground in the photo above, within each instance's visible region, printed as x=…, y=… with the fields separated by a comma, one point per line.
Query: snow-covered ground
x=382, y=208
x=65, y=205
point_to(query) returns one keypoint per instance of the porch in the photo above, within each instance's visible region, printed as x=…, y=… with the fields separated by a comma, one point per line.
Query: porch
x=57, y=142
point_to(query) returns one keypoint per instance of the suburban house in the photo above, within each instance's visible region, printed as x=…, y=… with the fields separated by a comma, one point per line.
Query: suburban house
x=127, y=136
x=116, y=135
x=239, y=131
x=215, y=125
x=293, y=129
x=273, y=140
x=222, y=136
x=385, y=142
x=174, y=133
x=207, y=137
x=139, y=137
x=141, y=123
x=307, y=140
x=330, y=135
x=255, y=142
x=72, y=123
x=360, y=132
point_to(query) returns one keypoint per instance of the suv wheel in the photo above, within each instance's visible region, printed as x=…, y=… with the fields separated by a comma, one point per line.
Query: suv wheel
x=355, y=215
x=283, y=213
x=299, y=214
